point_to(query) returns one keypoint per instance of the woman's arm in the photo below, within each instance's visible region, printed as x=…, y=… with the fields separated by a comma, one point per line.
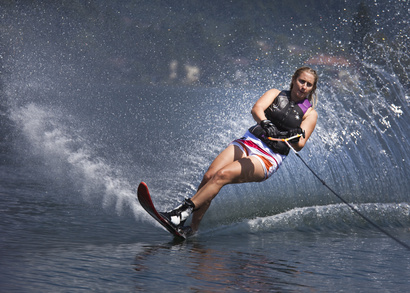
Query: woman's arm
x=308, y=125
x=308, y=121
x=258, y=110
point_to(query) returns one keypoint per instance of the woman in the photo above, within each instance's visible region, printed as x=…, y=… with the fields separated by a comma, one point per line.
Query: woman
x=255, y=157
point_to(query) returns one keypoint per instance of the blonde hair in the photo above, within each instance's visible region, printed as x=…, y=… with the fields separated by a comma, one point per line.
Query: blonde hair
x=312, y=96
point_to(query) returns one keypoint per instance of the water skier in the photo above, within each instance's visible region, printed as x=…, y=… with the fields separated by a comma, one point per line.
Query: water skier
x=256, y=156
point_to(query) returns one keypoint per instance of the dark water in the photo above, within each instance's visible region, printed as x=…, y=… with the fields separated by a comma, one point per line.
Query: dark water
x=74, y=149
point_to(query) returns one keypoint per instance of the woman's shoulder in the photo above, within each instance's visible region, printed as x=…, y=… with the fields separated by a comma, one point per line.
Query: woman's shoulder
x=272, y=93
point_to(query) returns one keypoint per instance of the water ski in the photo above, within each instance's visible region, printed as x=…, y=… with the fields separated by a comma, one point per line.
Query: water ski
x=146, y=202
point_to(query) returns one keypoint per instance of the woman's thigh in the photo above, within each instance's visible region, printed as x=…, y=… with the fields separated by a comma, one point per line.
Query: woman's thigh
x=246, y=169
x=229, y=155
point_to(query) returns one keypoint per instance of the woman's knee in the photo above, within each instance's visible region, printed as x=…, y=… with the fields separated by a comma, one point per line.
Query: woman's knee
x=205, y=179
x=208, y=175
x=221, y=177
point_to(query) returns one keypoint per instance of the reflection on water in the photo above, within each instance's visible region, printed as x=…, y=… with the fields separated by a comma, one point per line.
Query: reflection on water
x=211, y=268
x=279, y=262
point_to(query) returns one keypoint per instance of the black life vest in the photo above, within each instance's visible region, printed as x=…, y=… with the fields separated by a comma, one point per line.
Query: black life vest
x=286, y=115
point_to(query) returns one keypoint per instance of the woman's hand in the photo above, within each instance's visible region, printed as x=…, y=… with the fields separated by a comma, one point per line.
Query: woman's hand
x=308, y=125
x=270, y=128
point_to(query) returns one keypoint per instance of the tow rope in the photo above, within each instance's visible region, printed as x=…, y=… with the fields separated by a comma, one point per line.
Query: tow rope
x=286, y=140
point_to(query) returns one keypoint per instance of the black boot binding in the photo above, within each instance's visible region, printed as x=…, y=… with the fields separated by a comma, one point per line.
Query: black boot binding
x=178, y=216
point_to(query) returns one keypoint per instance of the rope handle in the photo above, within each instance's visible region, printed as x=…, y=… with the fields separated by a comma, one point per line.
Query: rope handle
x=286, y=139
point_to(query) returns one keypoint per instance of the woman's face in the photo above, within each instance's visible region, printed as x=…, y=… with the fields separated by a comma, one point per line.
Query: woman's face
x=302, y=86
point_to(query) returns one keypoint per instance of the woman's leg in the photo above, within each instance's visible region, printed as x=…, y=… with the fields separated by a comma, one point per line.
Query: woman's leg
x=230, y=154
x=178, y=215
x=246, y=169
x=230, y=166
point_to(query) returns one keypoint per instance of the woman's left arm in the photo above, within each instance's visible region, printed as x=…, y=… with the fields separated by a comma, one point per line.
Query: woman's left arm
x=308, y=125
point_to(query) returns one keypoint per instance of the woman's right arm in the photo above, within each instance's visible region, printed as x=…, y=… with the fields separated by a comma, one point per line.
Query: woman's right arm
x=258, y=110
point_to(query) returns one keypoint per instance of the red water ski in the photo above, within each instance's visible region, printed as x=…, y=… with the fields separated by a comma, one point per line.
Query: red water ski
x=146, y=202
